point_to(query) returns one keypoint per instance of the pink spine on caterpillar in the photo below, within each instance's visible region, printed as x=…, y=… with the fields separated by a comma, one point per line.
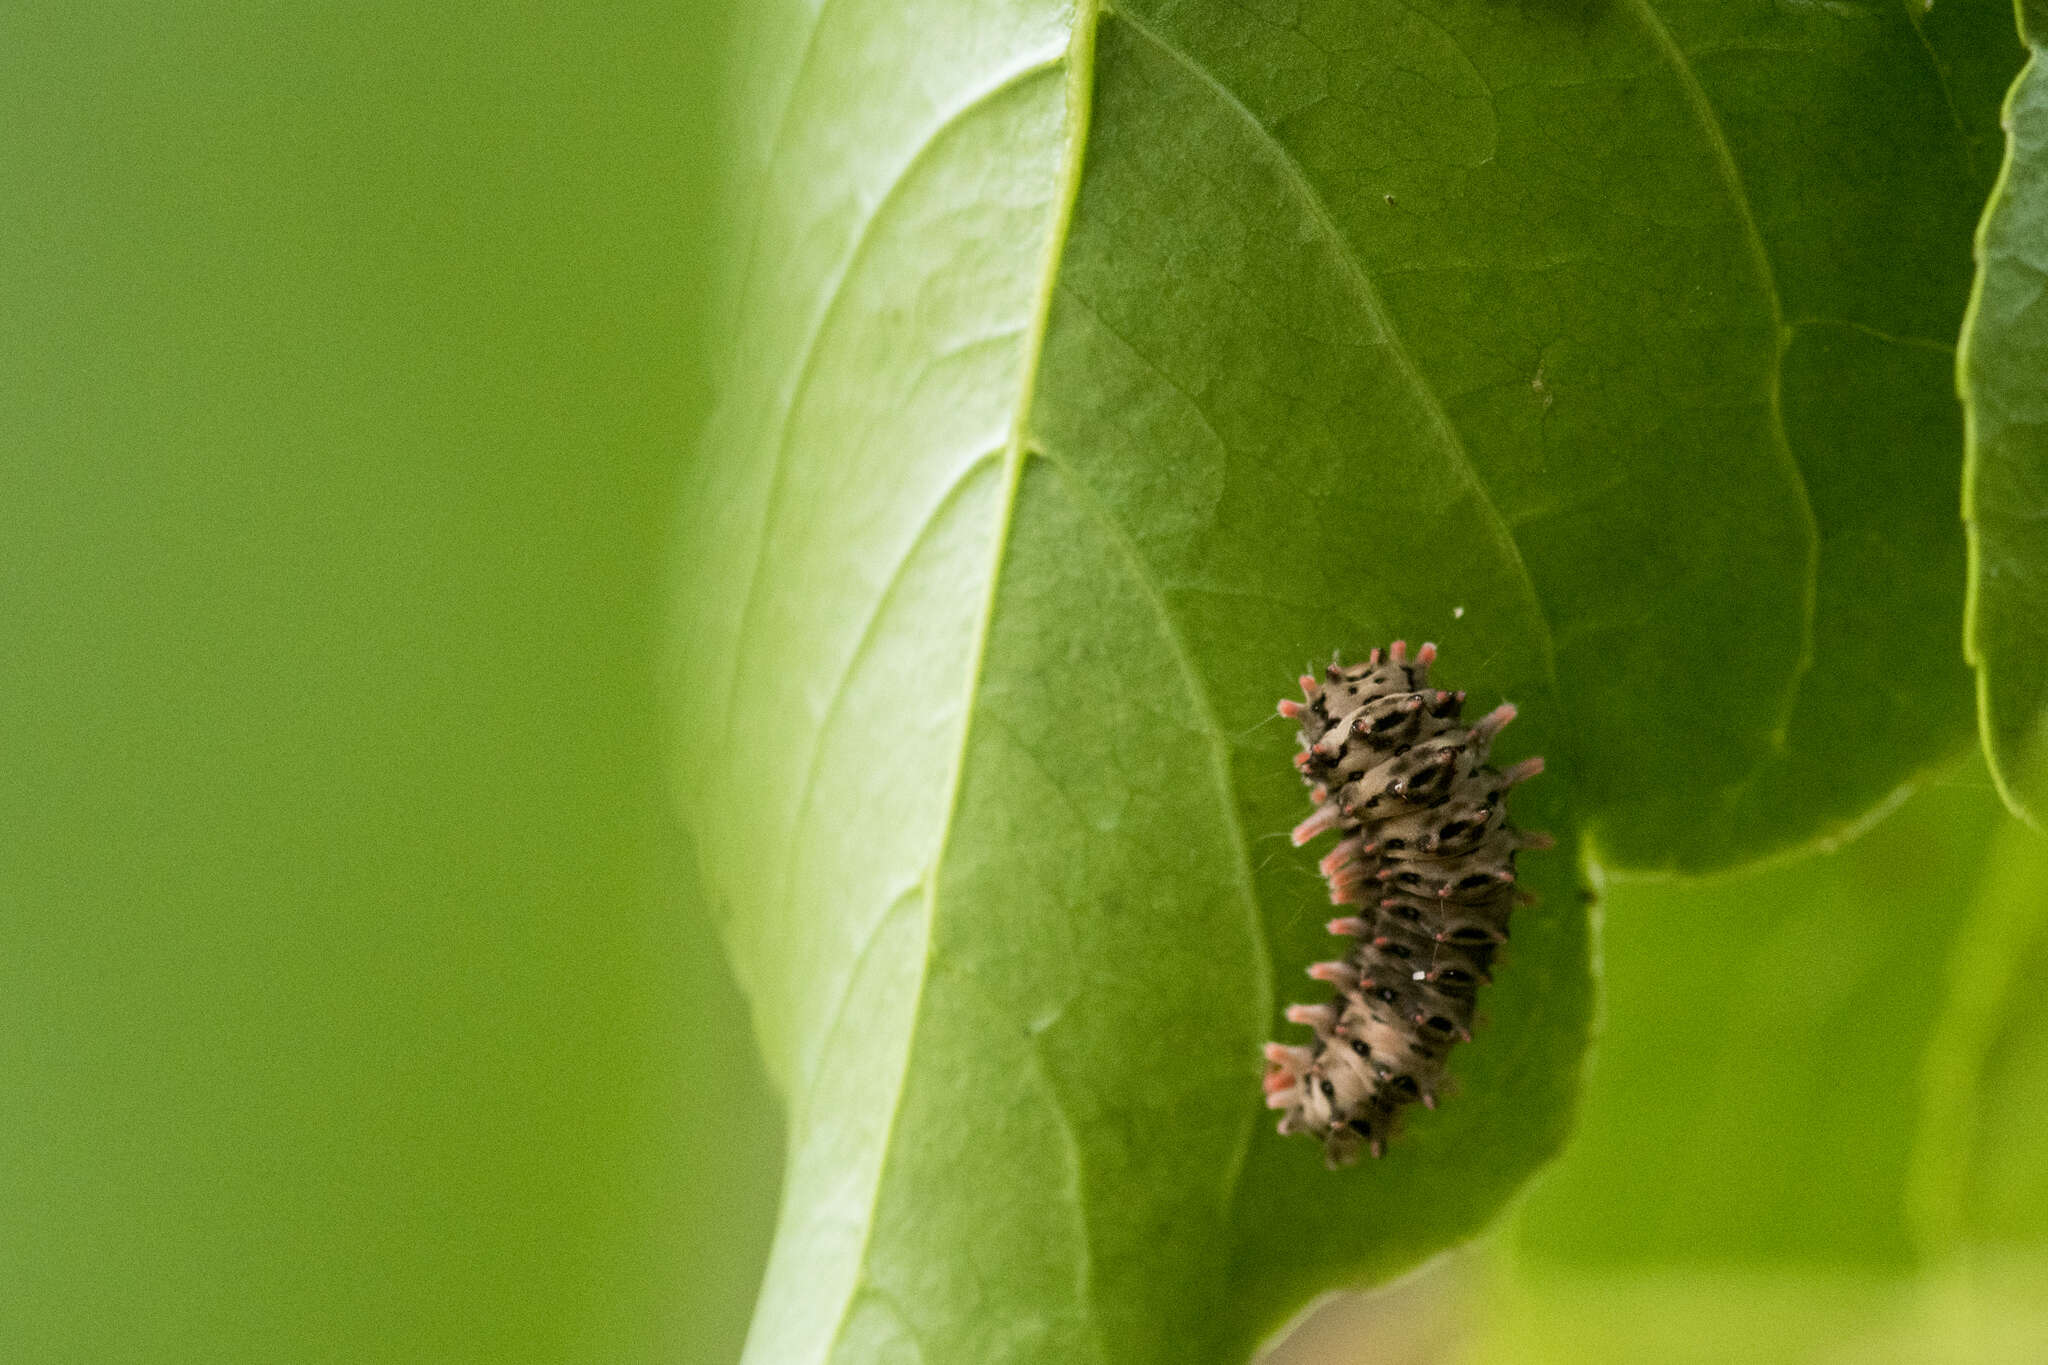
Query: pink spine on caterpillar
x=1427, y=855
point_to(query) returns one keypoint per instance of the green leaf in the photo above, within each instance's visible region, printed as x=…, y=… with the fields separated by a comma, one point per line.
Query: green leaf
x=1090, y=373
x=2005, y=488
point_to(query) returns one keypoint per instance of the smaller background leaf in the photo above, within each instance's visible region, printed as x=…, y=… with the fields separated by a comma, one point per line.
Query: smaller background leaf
x=2005, y=497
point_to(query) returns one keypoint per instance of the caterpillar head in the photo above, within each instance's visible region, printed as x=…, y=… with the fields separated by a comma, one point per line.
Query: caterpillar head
x=1338, y=1096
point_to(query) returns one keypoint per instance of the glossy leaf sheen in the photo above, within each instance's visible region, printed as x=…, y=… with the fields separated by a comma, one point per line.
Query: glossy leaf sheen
x=1092, y=373
x=2006, y=489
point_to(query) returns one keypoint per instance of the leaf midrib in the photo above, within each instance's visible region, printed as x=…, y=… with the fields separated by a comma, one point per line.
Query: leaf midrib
x=1080, y=60
x=807, y=359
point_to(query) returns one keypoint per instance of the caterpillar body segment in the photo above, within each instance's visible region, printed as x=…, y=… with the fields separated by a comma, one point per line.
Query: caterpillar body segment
x=1425, y=863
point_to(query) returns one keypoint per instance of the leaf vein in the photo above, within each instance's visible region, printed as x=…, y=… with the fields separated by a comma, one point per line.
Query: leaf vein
x=811, y=349
x=1218, y=742
x=1709, y=122
x=1376, y=310
x=1876, y=334
x=808, y=789
x=800, y=1106
x=1079, y=60
x=1084, y=1273
x=1916, y=17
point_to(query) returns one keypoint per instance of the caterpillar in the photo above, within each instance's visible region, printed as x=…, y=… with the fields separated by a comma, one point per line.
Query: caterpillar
x=1426, y=853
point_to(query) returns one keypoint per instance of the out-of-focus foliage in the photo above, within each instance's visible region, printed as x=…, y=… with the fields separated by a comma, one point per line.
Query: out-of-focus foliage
x=1754, y=1097
x=1982, y=1177
x=350, y=1006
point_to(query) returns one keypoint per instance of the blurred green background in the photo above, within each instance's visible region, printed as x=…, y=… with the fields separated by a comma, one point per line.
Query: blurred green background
x=352, y=1006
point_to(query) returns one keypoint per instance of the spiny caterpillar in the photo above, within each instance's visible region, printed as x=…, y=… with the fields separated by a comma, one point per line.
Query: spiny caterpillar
x=1424, y=842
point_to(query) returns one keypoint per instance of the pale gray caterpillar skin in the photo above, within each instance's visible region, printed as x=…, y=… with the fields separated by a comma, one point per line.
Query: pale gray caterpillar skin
x=1424, y=848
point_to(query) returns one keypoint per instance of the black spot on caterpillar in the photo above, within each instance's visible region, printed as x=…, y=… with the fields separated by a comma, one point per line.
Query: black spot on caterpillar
x=1425, y=850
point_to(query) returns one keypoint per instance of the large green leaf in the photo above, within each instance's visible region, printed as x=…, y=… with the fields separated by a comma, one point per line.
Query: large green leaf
x=1090, y=372
x=2004, y=371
